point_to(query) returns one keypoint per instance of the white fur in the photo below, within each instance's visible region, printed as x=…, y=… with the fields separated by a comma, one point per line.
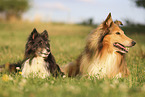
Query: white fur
x=101, y=68
x=37, y=68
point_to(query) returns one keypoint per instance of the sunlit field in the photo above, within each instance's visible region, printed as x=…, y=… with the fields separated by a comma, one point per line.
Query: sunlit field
x=67, y=42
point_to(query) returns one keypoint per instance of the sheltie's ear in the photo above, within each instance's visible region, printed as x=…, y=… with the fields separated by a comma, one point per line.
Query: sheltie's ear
x=29, y=45
x=33, y=35
x=118, y=23
x=108, y=22
x=44, y=34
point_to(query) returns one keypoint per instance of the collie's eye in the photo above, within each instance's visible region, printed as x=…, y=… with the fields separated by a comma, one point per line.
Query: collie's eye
x=118, y=33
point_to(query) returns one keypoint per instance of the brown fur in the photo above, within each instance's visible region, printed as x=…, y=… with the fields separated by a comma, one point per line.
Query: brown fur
x=100, y=57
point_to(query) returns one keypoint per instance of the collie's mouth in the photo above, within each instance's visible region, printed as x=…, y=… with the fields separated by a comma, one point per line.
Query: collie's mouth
x=121, y=47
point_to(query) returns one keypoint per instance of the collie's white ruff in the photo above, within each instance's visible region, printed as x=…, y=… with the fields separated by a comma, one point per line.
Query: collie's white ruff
x=101, y=68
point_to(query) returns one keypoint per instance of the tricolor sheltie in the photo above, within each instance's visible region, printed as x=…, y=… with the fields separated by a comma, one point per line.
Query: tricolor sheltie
x=38, y=60
x=104, y=53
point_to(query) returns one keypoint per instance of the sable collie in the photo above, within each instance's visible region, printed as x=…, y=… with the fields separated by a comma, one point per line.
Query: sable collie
x=104, y=53
x=38, y=60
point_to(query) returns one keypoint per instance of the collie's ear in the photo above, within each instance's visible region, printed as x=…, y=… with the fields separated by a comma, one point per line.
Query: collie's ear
x=118, y=23
x=108, y=22
x=34, y=34
x=44, y=34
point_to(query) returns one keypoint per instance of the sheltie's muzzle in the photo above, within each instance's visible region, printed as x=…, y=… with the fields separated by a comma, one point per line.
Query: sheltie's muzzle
x=44, y=52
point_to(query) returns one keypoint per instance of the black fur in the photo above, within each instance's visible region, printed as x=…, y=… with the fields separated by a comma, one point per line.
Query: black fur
x=53, y=67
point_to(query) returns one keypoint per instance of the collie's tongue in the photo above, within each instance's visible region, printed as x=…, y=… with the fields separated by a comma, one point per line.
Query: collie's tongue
x=122, y=47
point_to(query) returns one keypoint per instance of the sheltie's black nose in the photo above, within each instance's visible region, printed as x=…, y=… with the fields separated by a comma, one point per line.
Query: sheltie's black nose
x=133, y=43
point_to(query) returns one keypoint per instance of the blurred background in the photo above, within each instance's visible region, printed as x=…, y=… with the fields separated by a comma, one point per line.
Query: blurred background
x=73, y=11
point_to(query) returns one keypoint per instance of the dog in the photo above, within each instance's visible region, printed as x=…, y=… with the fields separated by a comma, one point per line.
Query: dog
x=104, y=53
x=38, y=59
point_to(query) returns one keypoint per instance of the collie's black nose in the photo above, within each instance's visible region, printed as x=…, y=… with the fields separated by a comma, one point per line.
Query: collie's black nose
x=133, y=43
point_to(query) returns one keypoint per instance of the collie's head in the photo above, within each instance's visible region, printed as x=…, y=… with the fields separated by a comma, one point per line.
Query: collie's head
x=37, y=45
x=109, y=36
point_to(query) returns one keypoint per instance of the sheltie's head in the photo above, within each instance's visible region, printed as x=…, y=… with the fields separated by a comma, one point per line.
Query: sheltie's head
x=115, y=39
x=37, y=45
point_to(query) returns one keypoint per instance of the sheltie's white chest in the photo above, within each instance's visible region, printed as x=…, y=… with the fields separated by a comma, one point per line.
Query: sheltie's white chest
x=36, y=68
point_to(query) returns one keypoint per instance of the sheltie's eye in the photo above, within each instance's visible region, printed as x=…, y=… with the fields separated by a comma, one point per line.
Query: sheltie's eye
x=118, y=33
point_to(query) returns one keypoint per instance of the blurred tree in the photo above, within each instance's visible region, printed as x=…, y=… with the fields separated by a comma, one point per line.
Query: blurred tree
x=140, y=3
x=87, y=22
x=90, y=21
x=13, y=8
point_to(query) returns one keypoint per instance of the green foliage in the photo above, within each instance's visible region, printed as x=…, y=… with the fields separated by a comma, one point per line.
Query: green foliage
x=67, y=41
x=88, y=22
x=134, y=28
x=14, y=7
x=140, y=3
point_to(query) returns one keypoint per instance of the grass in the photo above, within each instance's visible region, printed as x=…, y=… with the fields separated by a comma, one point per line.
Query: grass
x=67, y=41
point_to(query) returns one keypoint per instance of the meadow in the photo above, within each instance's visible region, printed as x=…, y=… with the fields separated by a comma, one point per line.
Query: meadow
x=67, y=42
